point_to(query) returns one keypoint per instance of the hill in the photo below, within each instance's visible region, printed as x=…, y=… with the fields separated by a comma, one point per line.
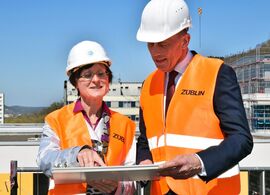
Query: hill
x=19, y=110
x=263, y=48
x=23, y=114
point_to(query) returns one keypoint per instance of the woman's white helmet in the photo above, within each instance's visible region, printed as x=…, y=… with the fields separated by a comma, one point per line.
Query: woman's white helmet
x=162, y=19
x=86, y=52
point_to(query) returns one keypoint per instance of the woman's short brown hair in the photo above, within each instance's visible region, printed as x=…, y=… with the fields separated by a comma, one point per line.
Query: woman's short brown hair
x=73, y=78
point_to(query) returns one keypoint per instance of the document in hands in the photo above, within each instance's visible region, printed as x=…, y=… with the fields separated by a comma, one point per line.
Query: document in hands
x=119, y=173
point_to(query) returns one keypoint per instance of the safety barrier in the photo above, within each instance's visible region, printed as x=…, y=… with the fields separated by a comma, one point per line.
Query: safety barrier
x=41, y=182
x=258, y=180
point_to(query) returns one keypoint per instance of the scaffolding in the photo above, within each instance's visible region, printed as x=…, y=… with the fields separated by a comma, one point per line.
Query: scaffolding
x=253, y=74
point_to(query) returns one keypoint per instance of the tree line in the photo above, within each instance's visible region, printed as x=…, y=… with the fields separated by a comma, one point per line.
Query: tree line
x=34, y=117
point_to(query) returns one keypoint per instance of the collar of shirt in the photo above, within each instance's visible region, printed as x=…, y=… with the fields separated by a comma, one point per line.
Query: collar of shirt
x=181, y=66
x=79, y=108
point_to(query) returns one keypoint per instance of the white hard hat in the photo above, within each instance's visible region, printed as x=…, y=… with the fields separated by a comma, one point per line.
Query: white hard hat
x=162, y=19
x=86, y=52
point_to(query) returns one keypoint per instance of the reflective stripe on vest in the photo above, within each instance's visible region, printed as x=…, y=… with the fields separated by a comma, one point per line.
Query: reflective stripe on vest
x=190, y=125
x=183, y=141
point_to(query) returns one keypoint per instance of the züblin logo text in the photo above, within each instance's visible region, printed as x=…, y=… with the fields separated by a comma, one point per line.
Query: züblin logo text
x=192, y=92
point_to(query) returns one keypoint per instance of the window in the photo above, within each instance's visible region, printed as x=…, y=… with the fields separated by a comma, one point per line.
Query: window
x=260, y=117
x=245, y=88
x=120, y=104
x=253, y=72
x=246, y=74
x=126, y=104
x=239, y=73
x=108, y=103
x=133, y=117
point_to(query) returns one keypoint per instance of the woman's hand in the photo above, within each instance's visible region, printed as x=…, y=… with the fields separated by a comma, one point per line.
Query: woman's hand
x=89, y=158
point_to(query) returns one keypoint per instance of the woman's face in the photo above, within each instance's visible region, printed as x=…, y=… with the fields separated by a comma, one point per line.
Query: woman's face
x=93, y=82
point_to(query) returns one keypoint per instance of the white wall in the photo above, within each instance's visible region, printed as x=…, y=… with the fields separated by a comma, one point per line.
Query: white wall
x=24, y=154
x=259, y=156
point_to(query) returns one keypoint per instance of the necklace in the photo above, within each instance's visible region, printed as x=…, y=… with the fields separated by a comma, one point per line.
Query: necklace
x=95, y=118
x=102, y=147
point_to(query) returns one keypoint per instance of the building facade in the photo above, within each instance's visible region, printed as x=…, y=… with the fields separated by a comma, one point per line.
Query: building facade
x=123, y=97
x=253, y=74
x=2, y=108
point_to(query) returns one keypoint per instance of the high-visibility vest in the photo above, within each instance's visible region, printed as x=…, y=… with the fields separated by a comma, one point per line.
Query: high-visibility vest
x=72, y=131
x=190, y=126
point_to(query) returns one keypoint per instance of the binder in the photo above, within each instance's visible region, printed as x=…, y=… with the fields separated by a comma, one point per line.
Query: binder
x=118, y=173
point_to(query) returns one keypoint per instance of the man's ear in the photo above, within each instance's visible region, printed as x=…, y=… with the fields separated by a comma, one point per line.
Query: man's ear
x=185, y=40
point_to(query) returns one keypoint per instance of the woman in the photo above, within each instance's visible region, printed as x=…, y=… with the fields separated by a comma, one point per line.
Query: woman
x=80, y=134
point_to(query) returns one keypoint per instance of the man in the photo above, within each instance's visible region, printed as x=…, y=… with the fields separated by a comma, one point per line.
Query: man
x=202, y=132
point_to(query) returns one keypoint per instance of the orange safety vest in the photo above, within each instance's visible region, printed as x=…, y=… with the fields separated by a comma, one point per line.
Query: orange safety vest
x=190, y=126
x=72, y=131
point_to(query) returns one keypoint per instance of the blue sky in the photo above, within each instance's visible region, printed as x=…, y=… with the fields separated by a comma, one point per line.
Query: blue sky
x=36, y=36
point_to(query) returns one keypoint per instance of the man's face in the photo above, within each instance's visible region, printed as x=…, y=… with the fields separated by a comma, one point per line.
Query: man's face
x=168, y=53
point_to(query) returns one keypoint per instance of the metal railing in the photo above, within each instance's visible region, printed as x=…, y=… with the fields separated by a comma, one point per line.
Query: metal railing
x=256, y=186
x=41, y=188
x=14, y=187
x=263, y=180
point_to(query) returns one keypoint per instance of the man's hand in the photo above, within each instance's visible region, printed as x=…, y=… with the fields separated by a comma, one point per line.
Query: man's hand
x=89, y=158
x=146, y=162
x=104, y=186
x=181, y=167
